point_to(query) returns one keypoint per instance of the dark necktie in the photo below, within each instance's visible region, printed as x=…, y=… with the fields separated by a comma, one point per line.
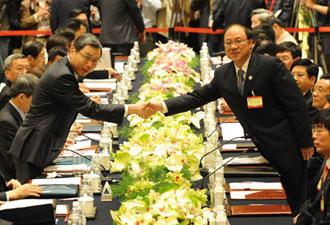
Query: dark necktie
x=240, y=81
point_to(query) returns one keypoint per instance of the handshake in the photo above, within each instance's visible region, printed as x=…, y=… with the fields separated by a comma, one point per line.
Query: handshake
x=145, y=110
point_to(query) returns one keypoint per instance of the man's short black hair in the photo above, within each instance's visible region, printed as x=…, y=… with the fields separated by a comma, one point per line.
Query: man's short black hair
x=32, y=48
x=57, y=50
x=87, y=39
x=291, y=47
x=274, y=20
x=67, y=32
x=75, y=24
x=57, y=40
x=311, y=68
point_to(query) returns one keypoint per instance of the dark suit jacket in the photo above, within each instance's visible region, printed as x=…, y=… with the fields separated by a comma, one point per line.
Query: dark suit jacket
x=55, y=105
x=311, y=208
x=309, y=102
x=203, y=6
x=280, y=128
x=228, y=12
x=3, y=189
x=60, y=10
x=121, y=21
x=5, y=94
x=10, y=121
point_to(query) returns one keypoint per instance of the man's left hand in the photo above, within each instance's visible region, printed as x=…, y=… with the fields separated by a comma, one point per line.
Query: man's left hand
x=13, y=184
x=307, y=153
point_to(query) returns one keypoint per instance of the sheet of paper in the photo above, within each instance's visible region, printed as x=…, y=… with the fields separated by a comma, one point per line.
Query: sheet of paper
x=245, y=160
x=67, y=168
x=80, y=145
x=119, y=66
x=66, y=180
x=100, y=93
x=84, y=152
x=240, y=194
x=23, y=203
x=232, y=130
x=229, y=146
x=111, y=80
x=95, y=85
x=62, y=210
x=255, y=186
x=105, y=60
x=94, y=136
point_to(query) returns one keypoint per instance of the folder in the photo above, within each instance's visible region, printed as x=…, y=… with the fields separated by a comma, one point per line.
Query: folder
x=59, y=191
x=262, y=209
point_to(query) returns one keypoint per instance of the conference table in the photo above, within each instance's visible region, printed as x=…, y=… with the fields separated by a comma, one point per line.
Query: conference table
x=103, y=208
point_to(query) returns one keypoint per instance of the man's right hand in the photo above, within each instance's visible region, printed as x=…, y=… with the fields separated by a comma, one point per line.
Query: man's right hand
x=26, y=190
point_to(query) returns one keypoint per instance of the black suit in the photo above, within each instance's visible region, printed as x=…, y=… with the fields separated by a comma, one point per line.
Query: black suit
x=10, y=120
x=3, y=189
x=311, y=208
x=228, y=12
x=55, y=105
x=279, y=129
x=60, y=10
x=5, y=94
x=309, y=102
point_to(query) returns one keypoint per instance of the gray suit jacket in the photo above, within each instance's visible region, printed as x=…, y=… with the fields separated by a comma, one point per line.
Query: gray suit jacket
x=280, y=128
x=55, y=105
x=121, y=21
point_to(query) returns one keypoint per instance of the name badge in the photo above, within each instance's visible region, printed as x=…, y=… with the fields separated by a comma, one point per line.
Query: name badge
x=255, y=102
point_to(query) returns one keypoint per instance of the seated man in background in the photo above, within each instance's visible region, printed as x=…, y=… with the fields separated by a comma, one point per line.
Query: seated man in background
x=305, y=73
x=321, y=91
x=316, y=209
x=11, y=117
x=13, y=190
x=281, y=35
x=35, y=53
x=15, y=65
x=288, y=52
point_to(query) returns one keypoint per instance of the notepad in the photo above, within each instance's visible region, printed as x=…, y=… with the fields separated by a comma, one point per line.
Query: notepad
x=258, y=195
x=80, y=145
x=100, y=86
x=245, y=161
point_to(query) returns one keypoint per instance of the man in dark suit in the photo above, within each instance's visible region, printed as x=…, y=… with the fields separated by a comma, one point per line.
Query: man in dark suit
x=11, y=117
x=15, y=65
x=61, y=9
x=266, y=100
x=228, y=12
x=55, y=105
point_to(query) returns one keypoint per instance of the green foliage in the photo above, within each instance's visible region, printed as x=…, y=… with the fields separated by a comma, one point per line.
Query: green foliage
x=125, y=131
x=146, y=67
x=194, y=63
x=190, y=83
x=120, y=189
x=185, y=172
x=158, y=124
x=133, y=98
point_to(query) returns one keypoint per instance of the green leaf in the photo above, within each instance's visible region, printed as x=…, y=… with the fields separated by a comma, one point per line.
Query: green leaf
x=194, y=63
x=144, y=138
x=157, y=124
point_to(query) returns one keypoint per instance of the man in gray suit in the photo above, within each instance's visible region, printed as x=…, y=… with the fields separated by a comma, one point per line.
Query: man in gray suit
x=55, y=105
x=122, y=24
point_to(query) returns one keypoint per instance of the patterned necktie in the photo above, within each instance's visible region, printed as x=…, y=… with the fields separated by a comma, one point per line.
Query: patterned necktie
x=240, y=81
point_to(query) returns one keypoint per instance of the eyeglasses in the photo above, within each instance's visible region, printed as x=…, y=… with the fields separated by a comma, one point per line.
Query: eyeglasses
x=235, y=42
x=89, y=58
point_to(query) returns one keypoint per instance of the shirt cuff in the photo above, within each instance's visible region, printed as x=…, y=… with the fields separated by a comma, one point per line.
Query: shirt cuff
x=126, y=110
x=165, y=109
x=7, y=196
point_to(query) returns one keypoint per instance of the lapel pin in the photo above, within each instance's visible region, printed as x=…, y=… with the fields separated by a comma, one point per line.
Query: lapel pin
x=250, y=77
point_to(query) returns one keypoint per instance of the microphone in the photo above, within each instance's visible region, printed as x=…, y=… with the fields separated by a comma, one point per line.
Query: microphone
x=224, y=164
x=103, y=171
x=206, y=154
x=218, y=124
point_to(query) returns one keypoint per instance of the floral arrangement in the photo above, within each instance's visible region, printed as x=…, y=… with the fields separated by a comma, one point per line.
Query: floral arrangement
x=162, y=154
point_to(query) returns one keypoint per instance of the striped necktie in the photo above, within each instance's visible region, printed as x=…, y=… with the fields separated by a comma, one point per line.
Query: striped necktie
x=240, y=81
